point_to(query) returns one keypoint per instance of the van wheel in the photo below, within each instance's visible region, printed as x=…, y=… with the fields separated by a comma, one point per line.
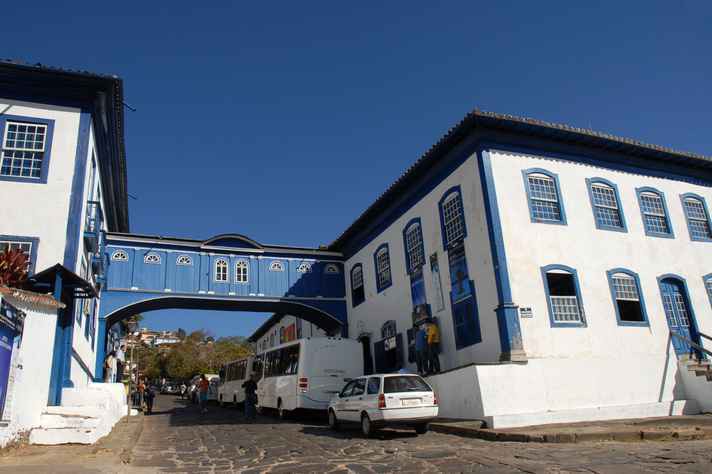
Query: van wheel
x=282, y=414
x=422, y=429
x=333, y=421
x=366, y=426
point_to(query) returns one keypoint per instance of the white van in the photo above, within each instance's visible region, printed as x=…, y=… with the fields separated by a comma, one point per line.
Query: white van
x=307, y=373
x=233, y=375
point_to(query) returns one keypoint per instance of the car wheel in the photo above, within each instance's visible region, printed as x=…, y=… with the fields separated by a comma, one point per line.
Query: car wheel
x=366, y=426
x=333, y=421
x=422, y=429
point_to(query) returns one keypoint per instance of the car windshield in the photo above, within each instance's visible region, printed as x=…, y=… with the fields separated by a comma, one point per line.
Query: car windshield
x=405, y=384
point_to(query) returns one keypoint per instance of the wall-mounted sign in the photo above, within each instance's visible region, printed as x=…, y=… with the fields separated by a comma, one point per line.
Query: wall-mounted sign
x=526, y=312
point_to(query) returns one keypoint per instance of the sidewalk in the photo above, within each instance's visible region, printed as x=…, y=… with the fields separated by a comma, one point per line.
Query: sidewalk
x=111, y=454
x=670, y=428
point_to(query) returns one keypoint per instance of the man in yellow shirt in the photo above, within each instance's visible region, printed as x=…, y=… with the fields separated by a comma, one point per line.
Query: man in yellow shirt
x=433, y=335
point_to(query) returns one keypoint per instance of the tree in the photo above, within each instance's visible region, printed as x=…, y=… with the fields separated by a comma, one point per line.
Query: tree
x=181, y=333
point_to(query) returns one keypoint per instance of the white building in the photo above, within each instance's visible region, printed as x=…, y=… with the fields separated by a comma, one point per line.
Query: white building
x=281, y=328
x=556, y=261
x=62, y=185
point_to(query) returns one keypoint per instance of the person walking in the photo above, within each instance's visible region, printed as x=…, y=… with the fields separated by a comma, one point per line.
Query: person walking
x=183, y=388
x=108, y=363
x=250, y=387
x=203, y=387
x=120, y=363
x=141, y=388
x=421, y=347
x=149, y=395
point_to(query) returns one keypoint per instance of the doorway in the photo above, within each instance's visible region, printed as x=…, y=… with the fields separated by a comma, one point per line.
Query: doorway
x=678, y=314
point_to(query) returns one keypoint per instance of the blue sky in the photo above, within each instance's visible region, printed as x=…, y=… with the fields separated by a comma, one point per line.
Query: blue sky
x=284, y=120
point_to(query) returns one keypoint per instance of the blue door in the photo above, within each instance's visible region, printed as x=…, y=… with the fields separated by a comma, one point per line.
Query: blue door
x=678, y=314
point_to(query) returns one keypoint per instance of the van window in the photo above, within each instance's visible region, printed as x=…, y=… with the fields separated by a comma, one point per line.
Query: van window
x=284, y=361
x=405, y=384
x=359, y=387
x=374, y=385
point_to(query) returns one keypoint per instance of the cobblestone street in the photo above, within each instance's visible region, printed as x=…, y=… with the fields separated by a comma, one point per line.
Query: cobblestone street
x=177, y=438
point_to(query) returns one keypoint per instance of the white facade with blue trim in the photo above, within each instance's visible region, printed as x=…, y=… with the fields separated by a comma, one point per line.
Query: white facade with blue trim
x=583, y=252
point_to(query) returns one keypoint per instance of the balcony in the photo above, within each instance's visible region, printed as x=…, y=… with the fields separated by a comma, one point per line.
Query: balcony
x=92, y=226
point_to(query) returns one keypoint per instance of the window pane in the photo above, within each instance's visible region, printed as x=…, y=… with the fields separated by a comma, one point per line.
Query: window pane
x=399, y=384
x=625, y=288
x=453, y=218
x=695, y=209
x=374, y=385
x=542, y=187
x=414, y=247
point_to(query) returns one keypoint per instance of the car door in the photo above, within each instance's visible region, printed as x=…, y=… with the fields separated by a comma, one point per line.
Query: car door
x=354, y=403
x=340, y=404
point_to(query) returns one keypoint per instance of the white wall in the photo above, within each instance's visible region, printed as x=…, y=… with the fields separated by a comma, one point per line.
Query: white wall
x=308, y=330
x=395, y=302
x=41, y=210
x=592, y=252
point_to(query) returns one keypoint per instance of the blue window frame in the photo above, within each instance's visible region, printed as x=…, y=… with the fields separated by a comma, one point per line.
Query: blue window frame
x=563, y=296
x=358, y=295
x=698, y=217
x=413, y=245
x=544, y=196
x=606, y=205
x=654, y=212
x=627, y=297
x=382, y=265
x=25, y=148
x=707, y=279
x=452, y=217
x=27, y=244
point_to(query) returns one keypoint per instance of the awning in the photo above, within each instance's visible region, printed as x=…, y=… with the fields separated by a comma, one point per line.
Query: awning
x=44, y=282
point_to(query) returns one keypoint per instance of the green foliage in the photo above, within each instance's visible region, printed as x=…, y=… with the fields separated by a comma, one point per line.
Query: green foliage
x=197, y=353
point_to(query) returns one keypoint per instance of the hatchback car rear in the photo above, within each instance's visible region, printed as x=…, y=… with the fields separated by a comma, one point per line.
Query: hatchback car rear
x=385, y=400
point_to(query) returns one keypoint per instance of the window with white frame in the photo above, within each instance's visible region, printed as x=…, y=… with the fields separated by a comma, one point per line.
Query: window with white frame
x=626, y=294
x=152, y=258
x=383, y=268
x=414, y=246
x=453, y=218
x=655, y=218
x=358, y=295
x=23, y=149
x=276, y=266
x=241, y=272
x=606, y=207
x=331, y=269
x=698, y=221
x=564, y=299
x=708, y=285
x=184, y=260
x=26, y=247
x=304, y=267
x=221, y=270
x=544, y=199
x=119, y=256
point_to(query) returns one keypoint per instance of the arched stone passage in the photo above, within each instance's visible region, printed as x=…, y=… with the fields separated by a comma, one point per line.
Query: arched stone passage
x=329, y=315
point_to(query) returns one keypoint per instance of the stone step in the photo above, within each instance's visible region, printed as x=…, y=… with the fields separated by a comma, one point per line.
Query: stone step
x=91, y=411
x=49, y=420
x=52, y=436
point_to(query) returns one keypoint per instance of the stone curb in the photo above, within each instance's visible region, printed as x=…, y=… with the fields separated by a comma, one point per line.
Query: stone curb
x=631, y=435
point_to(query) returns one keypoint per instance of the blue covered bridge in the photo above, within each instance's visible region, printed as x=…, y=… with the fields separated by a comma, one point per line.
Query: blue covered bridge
x=227, y=272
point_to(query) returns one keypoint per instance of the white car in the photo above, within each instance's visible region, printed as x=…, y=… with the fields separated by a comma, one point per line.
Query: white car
x=380, y=400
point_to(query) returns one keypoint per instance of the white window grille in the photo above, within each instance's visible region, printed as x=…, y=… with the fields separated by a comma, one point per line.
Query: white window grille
x=304, y=267
x=276, y=266
x=453, y=218
x=383, y=268
x=184, y=260
x=152, y=258
x=357, y=277
x=564, y=298
x=708, y=284
x=544, y=198
x=414, y=246
x=697, y=219
x=331, y=269
x=605, y=206
x=119, y=256
x=220, y=270
x=241, y=272
x=654, y=216
x=26, y=247
x=565, y=309
x=625, y=287
x=23, y=150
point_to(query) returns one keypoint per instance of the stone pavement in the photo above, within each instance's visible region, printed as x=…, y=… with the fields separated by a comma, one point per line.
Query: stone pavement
x=177, y=438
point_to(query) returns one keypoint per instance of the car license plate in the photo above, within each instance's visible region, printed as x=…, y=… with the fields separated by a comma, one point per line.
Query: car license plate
x=410, y=402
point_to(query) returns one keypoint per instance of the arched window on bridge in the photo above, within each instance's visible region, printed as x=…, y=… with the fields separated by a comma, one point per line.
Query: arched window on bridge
x=152, y=258
x=241, y=272
x=184, y=260
x=304, y=267
x=220, y=270
x=331, y=269
x=119, y=256
x=276, y=266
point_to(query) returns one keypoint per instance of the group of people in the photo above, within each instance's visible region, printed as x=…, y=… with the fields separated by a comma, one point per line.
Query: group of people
x=114, y=363
x=143, y=396
x=427, y=347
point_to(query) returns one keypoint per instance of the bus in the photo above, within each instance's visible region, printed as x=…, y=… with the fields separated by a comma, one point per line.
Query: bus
x=232, y=376
x=305, y=374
